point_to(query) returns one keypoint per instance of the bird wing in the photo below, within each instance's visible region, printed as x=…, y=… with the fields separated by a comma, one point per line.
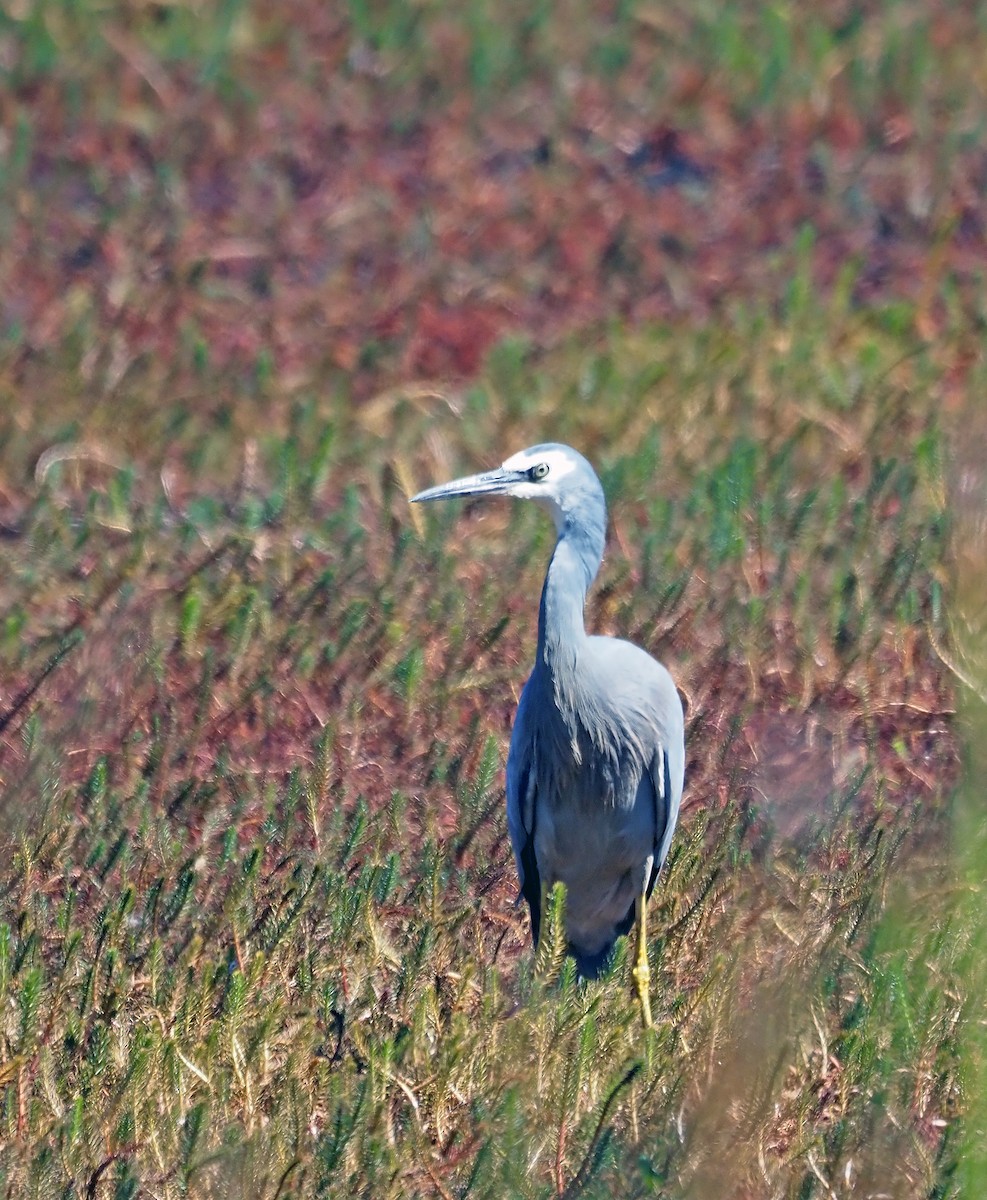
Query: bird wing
x=667, y=799
x=522, y=810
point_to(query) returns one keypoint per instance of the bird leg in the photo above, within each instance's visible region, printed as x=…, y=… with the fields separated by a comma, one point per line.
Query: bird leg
x=641, y=971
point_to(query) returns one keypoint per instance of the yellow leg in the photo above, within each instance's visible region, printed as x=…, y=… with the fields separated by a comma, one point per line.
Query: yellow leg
x=641, y=971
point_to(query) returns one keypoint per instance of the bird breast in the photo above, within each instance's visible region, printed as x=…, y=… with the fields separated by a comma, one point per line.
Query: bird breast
x=584, y=763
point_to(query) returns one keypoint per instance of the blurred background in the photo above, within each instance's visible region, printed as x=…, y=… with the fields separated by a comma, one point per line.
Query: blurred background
x=266, y=270
x=372, y=194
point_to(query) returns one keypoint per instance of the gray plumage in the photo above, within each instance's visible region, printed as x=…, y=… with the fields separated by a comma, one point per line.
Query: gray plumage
x=597, y=754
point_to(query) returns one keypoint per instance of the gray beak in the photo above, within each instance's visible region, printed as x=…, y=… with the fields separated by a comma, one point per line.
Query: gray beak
x=490, y=483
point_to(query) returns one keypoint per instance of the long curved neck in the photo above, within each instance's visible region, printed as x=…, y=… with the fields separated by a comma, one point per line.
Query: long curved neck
x=574, y=564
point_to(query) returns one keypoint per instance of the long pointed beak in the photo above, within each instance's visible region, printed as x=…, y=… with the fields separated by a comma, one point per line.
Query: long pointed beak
x=489, y=483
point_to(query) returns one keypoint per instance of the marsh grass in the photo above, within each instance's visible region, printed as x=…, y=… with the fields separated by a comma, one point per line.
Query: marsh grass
x=258, y=923
x=259, y=927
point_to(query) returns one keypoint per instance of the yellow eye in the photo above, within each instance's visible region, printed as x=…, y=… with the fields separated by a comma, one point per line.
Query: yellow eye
x=540, y=471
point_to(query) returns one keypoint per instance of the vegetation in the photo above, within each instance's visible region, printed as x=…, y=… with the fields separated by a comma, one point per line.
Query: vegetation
x=258, y=932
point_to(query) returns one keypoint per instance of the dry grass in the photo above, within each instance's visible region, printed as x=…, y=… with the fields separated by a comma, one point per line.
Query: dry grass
x=260, y=929
x=258, y=932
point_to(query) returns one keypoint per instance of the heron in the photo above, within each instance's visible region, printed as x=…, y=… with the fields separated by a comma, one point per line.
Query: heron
x=596, y=760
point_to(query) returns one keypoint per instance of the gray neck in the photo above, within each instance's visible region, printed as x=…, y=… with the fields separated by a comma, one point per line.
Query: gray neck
x=561, y=633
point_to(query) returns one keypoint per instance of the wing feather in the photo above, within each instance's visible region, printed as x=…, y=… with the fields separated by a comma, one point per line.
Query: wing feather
x=522, y=814
x=667, y=801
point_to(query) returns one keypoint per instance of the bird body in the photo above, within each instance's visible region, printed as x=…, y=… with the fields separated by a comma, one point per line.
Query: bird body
x=597, y=756
x=592, y=793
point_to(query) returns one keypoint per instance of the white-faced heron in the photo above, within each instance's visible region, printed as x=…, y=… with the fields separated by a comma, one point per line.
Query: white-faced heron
x=597, y=755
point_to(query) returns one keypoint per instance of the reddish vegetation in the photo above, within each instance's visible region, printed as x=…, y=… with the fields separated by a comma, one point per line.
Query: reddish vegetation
x=335, y=219
x=211, y=259
x=328, y=218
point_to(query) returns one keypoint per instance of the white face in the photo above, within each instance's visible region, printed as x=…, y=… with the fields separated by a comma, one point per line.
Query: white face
x=545, y=489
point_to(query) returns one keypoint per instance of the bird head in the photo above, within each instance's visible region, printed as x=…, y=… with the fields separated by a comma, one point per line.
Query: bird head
x=555, y=475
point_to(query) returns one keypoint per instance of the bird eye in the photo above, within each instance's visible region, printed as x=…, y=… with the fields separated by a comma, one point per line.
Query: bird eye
x=539, y=471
